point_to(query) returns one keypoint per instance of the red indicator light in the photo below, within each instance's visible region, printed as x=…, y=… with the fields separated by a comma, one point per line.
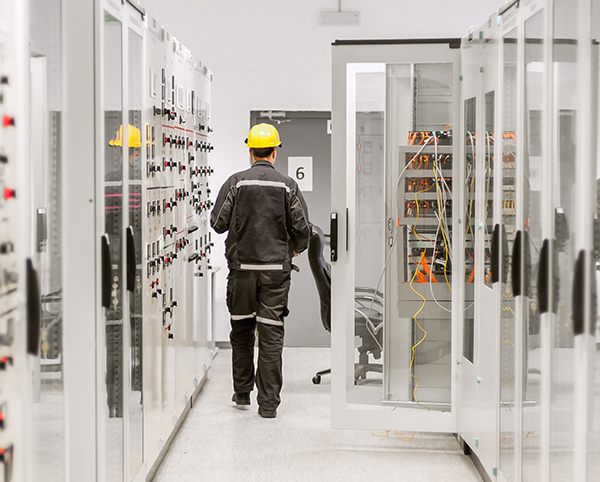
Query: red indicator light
x=8, y=193
x=8, y=121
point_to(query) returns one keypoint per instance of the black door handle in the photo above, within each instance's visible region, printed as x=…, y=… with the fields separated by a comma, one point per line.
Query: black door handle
x=580, y=276
x=34, y=309
x=548, y=279
x=578, y=295
x=131, y=261
x=495, y=254
x=505, y=255
x=516, y=264
x=334, y=237
x=526, y=264
x=499, y=255
x=106, y=270
x=521, y=264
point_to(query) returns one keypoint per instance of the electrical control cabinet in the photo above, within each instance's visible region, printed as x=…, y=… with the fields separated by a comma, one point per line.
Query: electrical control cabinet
x=487, y=268
x=19, y=287
x=178, y=244
x=398, y=346
x=156, y=245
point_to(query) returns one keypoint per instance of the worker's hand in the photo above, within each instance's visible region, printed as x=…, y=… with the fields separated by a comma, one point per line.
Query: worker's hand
x=295, y=254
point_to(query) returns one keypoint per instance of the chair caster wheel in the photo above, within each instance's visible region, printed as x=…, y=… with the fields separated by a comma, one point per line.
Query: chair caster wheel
x=316, y=379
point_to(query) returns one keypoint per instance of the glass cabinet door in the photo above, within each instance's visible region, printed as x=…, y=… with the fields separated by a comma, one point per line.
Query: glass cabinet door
x=392, y=260
x=533, y=175
x=564, y=153
x=508, y=132
x=48, y=418
x=134, y=254
x=594, y=424
x=114, y=133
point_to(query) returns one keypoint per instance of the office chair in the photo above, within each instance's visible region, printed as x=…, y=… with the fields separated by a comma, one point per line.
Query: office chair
x=368, y=311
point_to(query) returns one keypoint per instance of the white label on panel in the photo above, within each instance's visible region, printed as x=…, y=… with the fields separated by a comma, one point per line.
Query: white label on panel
x=169, y=90
x=180, y=97
x=189, y=101
x=153, y=92
x=300, y=169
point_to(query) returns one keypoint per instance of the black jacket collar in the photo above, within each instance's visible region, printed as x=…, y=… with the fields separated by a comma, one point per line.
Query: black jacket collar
x=263, y=163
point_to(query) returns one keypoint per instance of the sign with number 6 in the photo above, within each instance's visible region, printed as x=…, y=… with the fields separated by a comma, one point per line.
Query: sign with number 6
x=300, y=169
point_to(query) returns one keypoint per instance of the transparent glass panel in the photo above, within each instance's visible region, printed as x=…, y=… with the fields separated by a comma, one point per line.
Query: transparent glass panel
x=470, y=120
x=370, y=225
x=594, y=436
x=48, y=429
x=418, y=243
x=533, y=113
x=136, y=142
x=488, y=185
x=564, y=206
x=113, y=226
x=507, y=325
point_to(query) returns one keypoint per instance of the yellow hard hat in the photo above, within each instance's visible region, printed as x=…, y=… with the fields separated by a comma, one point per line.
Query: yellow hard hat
x=263, y=136
x=135, y=137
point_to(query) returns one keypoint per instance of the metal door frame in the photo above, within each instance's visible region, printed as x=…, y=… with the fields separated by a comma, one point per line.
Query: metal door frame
x=343, y=414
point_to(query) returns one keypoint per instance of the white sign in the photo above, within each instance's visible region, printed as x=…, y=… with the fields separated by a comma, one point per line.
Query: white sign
x=300, y=169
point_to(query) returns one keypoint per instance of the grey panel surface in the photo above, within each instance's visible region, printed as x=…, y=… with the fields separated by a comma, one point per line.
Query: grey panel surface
x=305, y=134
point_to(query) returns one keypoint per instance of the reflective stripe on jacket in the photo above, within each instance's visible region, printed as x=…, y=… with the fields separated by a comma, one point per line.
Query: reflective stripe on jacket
x=266, y=217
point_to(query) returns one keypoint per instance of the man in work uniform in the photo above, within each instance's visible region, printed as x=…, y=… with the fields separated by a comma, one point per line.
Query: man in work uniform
x=267, y=220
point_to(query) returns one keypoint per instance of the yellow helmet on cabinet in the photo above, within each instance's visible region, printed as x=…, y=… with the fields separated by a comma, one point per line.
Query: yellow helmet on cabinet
x=135, y=137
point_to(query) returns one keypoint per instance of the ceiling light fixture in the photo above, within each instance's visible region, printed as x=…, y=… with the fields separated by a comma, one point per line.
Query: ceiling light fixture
x=339, y=18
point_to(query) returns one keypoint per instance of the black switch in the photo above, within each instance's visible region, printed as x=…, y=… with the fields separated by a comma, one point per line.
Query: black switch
x=4, y=361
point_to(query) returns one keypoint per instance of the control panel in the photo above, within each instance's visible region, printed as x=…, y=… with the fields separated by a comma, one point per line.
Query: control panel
x=177, y=147
x=12, y=247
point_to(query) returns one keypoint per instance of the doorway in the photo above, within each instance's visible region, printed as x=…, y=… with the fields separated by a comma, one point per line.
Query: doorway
x=306, y=157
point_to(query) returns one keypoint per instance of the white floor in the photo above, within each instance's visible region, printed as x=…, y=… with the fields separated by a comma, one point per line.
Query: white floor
x=219, y=442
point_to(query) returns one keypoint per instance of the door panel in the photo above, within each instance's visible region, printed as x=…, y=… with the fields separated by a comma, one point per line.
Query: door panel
x=533, y=111
x=507, y=462
x=565, y=150
x=133, y=260
x=48, y=418
x=398, y=308
x=113, y=226
x=305, y=134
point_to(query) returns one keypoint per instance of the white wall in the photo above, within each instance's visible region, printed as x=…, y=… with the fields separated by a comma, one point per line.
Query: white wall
x=272, y=54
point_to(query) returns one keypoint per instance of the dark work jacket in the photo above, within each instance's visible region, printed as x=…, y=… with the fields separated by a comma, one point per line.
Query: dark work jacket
x=266, y=217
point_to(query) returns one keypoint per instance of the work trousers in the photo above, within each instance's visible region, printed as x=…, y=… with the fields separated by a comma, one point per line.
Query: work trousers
x=258, y=299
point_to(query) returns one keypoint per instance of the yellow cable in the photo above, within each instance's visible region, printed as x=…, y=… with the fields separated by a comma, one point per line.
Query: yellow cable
x=406, y=439
x=412, y=360
x=437, y=189
x=387, y=434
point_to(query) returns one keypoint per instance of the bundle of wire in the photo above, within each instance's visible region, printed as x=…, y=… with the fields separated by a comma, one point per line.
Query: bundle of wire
x=368, y=323
x=392, y=246
x=470, y=178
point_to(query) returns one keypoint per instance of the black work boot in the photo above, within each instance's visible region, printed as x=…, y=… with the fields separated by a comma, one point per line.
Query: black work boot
x=241, y=398
x=264, y=413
